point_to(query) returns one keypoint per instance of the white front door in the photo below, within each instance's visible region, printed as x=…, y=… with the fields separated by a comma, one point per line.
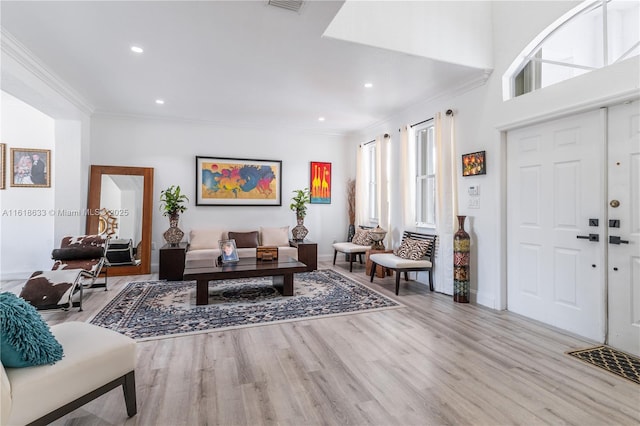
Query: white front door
x=624, y=227
x=555, y=191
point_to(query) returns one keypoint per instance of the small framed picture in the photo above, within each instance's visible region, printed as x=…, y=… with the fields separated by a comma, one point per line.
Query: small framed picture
x=474, y=164
x=30, y=167
x=228, y=251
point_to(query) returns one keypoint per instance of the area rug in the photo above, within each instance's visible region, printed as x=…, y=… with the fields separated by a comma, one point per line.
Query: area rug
x=612, y=360
x=158, y=309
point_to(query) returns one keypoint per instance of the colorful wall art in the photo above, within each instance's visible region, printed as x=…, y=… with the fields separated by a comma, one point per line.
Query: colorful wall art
x=320, y=183
x=238, y=182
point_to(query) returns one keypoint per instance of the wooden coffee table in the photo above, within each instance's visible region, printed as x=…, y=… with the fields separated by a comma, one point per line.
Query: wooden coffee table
x=204, y=271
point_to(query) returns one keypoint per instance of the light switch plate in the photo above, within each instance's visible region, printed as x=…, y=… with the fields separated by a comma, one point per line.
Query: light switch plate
x=474, y=202
x=474, y=190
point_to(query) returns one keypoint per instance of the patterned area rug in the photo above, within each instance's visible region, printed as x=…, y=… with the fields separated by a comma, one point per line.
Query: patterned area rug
x=160, y=309
x=614, y=361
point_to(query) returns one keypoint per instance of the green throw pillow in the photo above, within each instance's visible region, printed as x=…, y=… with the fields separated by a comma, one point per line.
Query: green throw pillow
x=25, y=338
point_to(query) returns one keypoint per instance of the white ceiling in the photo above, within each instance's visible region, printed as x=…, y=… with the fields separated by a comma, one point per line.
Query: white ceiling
x=241, y=63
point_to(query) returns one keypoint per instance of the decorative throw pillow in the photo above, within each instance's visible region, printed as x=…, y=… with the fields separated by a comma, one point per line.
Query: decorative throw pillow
x=412, y=249
x=278, y=237
x=245, y=239
x=362, y=237
x=75, y=253
x=200, y=239
x=25, y=339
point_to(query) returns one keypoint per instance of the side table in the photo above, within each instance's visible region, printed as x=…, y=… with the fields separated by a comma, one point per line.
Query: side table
x=381, y=271
x=172, y=261
x=307, y=253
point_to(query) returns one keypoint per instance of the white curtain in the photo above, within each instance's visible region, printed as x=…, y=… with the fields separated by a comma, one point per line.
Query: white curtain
x=447, y=204
x=383, y=151
x=362, y=217
x=407, y=174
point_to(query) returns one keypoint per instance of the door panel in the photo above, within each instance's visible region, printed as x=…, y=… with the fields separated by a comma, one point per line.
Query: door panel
x=624, y=258
x=555, y=185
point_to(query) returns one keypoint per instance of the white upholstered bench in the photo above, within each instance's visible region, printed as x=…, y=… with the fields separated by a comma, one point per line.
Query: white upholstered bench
x=400, y=264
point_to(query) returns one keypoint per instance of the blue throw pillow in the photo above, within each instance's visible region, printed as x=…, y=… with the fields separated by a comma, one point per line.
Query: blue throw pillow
x=25, y=339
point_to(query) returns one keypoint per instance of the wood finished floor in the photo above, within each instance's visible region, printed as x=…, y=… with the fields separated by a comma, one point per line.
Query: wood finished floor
x=432, y=362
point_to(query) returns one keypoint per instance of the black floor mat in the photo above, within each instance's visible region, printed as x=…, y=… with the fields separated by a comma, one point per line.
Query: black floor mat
x=612, y=360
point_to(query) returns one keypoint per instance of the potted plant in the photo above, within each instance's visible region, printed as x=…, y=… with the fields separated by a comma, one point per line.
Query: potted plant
x=172, y=203
x=298, y=204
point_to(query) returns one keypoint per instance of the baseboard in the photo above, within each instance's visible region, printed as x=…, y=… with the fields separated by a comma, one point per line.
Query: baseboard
x=484, y=300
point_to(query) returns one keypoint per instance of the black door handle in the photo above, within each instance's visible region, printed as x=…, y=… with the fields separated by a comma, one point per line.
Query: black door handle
x=616, y=240
x=590, y=237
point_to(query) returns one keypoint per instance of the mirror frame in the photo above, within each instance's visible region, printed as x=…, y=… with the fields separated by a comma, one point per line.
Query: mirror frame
x=93, y=204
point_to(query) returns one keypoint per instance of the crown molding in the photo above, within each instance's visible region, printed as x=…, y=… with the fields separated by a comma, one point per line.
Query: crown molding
x=11, y=47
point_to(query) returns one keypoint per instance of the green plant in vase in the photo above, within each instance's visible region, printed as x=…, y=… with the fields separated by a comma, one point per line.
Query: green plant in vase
x=172, y=203
x=298, y=204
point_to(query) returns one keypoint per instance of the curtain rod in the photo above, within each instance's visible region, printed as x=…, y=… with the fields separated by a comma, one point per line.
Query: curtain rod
x=421, y=122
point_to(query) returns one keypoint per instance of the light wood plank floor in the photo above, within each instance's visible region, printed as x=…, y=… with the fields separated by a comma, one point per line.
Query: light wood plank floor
x=432, y=362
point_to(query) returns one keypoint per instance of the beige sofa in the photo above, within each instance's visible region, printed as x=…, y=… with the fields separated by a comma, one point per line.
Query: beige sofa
x=204, y=242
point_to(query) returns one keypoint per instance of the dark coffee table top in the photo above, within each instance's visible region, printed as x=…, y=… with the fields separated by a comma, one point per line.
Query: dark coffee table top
x=245, y=267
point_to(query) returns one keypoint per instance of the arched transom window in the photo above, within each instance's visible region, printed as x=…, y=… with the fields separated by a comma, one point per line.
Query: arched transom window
x=593, y=35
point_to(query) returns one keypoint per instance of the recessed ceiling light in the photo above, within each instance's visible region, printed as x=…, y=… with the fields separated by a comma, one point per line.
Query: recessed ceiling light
x=320, y=118
x=160, y=101
x=137, y=49
x=368, y=85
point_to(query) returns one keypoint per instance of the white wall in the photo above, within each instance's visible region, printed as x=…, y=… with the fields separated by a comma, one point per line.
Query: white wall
x=24, y=78
x=480, y=114
x=26, y=222
x=170, y=147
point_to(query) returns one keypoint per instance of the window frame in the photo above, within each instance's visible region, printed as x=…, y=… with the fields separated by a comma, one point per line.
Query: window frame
x=422, y=177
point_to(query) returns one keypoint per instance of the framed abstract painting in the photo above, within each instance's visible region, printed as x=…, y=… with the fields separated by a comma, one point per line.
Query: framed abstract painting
x=320, y=182
x=474, y=164
x=238, y=182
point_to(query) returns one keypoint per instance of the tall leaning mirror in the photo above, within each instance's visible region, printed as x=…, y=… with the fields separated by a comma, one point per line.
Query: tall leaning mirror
x=120, y=203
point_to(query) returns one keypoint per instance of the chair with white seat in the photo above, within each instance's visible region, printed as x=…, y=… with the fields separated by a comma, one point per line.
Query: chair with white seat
x=426, y=242
x=358, y=246
x=96, y=360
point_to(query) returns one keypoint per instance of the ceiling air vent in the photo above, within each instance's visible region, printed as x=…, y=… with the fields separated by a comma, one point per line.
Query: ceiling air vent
x=287, y=4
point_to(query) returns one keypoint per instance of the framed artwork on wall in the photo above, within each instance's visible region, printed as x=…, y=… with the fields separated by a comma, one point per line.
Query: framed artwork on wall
x=3, y=154
x=320, y=182
x=238, y=182
x=30, y=167
x=474, y=164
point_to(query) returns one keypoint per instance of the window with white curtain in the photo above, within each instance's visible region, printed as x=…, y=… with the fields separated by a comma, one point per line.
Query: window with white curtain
x=370, y=172
x=425, y=174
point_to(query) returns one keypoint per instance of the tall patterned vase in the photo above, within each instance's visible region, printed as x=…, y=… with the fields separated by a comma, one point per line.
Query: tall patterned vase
x=299, y=231
x=173, y=235
x=461, y=242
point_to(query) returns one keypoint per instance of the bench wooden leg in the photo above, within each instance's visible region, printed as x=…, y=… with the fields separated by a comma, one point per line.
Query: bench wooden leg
x=352, y=257
x=360, y=254
x=335, y=254
x=406, y=276
x=398, y=281
x=129, y=389
x=431, y=279
x=373, y=270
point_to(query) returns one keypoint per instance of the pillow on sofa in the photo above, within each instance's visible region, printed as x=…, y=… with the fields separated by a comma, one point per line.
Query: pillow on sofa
x=200, y=239
x=278, y=237
x=245, y=239
x=362, y=237
x=412, y=249
x=25, y=339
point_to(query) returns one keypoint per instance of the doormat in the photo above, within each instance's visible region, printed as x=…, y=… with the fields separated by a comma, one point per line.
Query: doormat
x=159, y=309
x=612, y=360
